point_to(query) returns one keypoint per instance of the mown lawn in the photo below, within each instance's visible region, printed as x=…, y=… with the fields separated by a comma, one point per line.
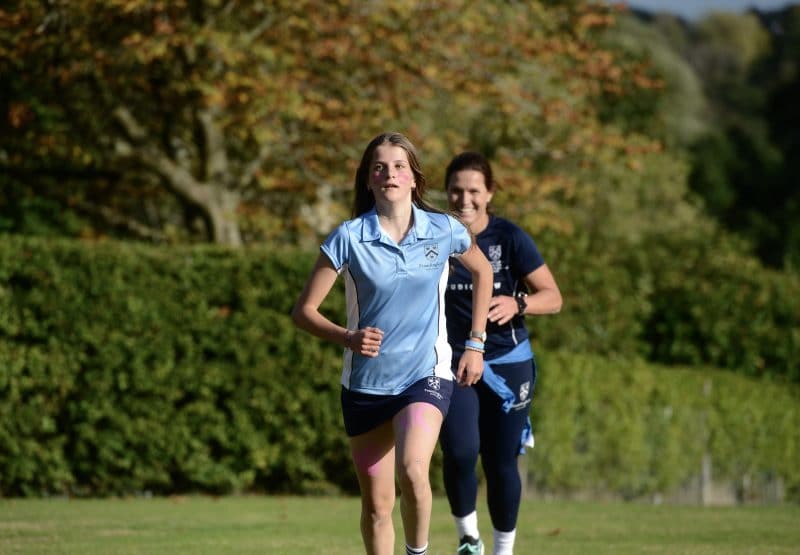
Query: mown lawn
x=329, y=525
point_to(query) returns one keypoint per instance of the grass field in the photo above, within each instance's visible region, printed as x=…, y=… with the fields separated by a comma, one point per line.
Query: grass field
x=329, y=525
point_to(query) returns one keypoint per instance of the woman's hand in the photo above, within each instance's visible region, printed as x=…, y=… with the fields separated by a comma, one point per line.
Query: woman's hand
x=366, y=341
x=470, y=368
x=502, y=309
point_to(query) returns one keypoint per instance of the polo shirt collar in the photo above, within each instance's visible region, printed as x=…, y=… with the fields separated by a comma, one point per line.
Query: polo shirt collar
x=371, y=228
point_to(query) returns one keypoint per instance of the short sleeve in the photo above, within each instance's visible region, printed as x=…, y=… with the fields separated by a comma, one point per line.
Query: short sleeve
x=462, y=240
x=526, y=253
x=337, y=247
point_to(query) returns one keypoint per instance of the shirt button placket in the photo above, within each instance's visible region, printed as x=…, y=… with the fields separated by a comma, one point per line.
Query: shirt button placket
x=402, y=270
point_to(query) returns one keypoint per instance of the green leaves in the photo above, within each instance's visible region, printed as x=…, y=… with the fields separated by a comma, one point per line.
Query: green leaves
x=126, y=369
x=624, y=427
x=268, y=107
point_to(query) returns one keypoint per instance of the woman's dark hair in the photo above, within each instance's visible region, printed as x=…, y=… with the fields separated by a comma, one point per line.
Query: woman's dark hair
x=364, y=201
x=470, y=161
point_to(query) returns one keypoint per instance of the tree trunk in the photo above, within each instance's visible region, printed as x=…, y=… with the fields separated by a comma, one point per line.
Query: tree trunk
x=217, y=203
x=224, y=223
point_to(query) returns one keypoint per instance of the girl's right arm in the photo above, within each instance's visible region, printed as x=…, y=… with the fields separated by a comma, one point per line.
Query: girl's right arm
x=306, y=314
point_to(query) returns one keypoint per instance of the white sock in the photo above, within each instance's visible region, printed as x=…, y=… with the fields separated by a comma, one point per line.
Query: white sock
x=504, y=542
x=467, y=525
x=417, y=550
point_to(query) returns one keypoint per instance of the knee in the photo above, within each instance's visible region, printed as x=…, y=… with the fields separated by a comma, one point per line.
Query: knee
x=462, y=458
x=413, y=478
x=378, y=508
x=378, y=516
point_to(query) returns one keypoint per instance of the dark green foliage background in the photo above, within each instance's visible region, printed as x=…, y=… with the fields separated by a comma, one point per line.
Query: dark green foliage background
x=128, y=368
x=673, y=298
x=630, y=428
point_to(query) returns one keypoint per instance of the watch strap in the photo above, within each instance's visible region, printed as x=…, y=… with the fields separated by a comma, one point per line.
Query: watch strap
x=522, y=304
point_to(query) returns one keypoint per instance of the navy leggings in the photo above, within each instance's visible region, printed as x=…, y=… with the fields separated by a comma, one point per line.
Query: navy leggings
x=476, y=424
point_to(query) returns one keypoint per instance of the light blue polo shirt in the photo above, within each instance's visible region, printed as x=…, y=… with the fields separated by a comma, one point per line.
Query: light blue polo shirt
x=399, y=289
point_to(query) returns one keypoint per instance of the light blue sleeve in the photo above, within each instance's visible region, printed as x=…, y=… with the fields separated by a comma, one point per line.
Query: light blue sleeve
x=337, y=247
x=462, y=240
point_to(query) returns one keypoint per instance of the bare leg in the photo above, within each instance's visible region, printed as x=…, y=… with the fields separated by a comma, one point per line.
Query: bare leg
x=374, y=459
x=416, y=430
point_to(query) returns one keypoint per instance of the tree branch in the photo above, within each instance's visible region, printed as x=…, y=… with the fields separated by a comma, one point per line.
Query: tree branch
x=252, y=168
x=180, y=181
x=216, y=159
x=216, y=202
x=253, y=34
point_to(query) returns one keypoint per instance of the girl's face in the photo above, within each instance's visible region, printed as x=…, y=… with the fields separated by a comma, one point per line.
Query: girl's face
x=390, y=177
x=469, y=198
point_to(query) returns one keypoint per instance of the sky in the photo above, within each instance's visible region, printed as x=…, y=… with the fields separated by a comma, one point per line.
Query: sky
x=693, y=9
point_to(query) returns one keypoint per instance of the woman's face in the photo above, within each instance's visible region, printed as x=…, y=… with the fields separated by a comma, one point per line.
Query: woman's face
x=390, y=177
x=469, y=198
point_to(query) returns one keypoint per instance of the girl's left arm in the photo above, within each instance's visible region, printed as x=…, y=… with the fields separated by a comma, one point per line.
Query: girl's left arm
x=470, y=367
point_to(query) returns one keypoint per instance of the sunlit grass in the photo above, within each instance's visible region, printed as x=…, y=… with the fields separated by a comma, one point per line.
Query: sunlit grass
x=329, y=525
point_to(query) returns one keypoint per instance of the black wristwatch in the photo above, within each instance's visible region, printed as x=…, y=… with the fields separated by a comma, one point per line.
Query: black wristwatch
x=522, y=303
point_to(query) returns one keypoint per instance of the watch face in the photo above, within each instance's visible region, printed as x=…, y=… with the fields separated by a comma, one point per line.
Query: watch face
x=479, y=335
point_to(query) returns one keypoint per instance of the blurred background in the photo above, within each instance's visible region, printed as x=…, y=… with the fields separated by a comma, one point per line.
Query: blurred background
x=167, y=170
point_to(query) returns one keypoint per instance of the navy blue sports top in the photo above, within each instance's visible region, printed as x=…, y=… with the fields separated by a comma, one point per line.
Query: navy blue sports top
x=513, y=255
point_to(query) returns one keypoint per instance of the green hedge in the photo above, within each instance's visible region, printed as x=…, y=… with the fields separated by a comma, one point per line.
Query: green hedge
x=632, y=428
x=714, y=304
x=127, y=368
x=673, y=299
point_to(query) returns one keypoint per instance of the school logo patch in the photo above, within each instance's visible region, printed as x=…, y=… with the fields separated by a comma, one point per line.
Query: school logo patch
x=434, y=383
x=431, y=252
x=524, y=391
x=495, y=255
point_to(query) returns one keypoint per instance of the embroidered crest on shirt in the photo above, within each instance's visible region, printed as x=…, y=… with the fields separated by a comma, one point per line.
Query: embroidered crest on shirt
x=431, y=251
x=431, y=261
x=495, y=253
x=524, y=390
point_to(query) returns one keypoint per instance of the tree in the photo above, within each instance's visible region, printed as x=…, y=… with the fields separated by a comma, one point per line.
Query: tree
x=674, y=107
x=249, y=118
x=742, y=168
x=736, y=119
